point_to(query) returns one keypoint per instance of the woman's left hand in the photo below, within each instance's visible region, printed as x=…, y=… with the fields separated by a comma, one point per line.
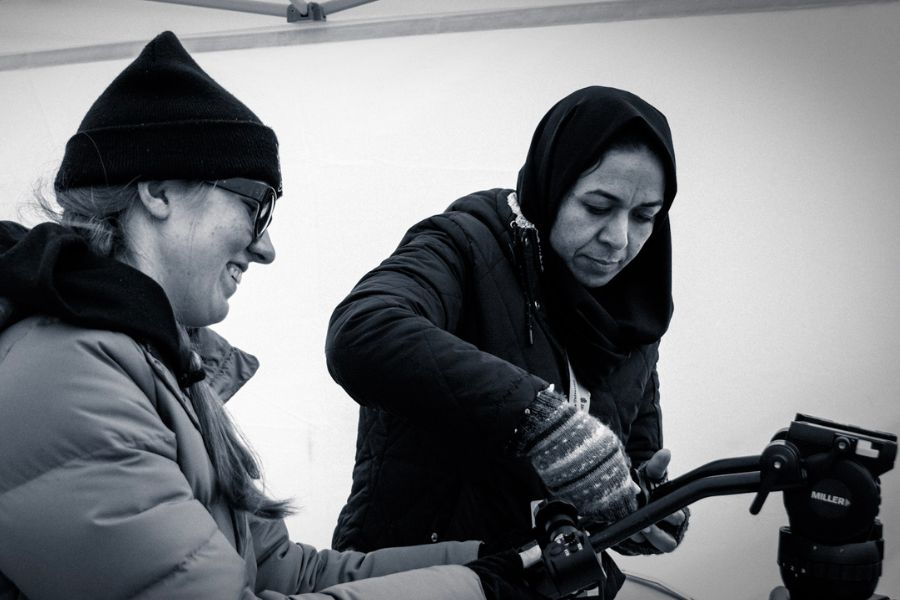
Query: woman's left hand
x=659, y=539
x=663, y=540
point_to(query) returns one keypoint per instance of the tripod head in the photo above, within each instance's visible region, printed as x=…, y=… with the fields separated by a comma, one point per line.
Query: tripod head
x=833, y=546
x=828, y=473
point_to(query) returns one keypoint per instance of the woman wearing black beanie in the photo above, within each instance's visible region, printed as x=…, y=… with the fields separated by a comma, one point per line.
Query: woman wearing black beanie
x=122, y=475
x=507, y=350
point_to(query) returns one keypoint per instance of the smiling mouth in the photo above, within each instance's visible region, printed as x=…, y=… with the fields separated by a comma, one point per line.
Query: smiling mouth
x=235, y=272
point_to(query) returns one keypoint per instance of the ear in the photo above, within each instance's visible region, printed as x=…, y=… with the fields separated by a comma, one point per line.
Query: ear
x=154, y=198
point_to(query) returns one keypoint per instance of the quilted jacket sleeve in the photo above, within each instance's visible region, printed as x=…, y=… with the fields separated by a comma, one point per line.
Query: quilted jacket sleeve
x=393, y=573
x=92, y=501
x=391, y=342
x=646, y=430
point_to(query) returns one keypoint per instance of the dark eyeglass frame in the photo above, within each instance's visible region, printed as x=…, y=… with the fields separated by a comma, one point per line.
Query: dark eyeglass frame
x=263, y=196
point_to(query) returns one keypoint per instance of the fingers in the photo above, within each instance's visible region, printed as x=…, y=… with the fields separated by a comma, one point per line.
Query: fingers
x=779, y=593
x=638, y=538
x=658, y=538
x=635, y=488
x=661, y=540
x=676, y=518
x=656, y=467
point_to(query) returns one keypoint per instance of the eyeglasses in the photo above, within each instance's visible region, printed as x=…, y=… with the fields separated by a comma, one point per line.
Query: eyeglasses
x=263, y=197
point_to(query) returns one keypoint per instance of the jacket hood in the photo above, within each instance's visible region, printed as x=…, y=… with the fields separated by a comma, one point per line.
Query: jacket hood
x=488, y=206
x=51, y=270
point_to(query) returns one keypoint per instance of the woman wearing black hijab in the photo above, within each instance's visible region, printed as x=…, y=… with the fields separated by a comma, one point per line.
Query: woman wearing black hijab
x=452, y=344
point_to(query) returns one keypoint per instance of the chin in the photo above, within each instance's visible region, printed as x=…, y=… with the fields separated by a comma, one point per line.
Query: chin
x=206, y=318
x=593, y=281
x=218, y=315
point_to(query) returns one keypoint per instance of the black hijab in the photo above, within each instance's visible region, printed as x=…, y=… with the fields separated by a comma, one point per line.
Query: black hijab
x=600, y=326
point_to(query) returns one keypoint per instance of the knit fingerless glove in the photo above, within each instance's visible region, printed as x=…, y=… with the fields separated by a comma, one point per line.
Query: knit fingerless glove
x=578, y=458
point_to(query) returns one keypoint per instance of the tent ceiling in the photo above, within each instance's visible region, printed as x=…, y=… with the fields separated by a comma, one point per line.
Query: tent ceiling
x=44, y=32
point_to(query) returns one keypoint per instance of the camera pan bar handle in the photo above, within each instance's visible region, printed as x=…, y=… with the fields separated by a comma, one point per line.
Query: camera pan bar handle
x=677, y=497
x=725, y=466
x=776, y=469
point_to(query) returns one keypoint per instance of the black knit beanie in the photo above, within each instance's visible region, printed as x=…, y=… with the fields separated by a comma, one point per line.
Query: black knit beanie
x=163, y=117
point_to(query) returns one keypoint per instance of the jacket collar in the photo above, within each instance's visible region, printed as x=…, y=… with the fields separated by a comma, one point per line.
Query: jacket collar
x=226, y=367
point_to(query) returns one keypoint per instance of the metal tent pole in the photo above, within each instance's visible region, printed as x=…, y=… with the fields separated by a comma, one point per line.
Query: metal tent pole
x=275, y=9
x=314, y=32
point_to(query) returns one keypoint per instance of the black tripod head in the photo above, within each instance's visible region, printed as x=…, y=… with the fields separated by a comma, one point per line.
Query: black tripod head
x=833, y=546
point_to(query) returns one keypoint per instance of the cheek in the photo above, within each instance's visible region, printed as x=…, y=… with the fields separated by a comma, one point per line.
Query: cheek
x=202, y=265
x=225, y=229
x=205, y=300
x=638, y=237
x=571, y=231
x=561, y=239
x=220, y=243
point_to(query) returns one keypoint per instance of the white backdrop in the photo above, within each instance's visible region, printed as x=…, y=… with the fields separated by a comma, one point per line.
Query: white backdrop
x=786, y=253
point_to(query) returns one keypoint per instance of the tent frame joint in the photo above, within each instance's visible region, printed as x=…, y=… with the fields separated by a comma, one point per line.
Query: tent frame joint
x=313, y=11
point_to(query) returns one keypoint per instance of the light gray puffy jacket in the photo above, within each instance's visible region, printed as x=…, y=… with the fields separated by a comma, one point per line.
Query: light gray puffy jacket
x=105, y=484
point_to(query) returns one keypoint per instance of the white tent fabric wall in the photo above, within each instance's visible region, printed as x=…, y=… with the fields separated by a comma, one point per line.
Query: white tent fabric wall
x=786, y=283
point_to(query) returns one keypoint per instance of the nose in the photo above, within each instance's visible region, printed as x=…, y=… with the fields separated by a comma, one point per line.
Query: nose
x=614, y=232
x=262, y=250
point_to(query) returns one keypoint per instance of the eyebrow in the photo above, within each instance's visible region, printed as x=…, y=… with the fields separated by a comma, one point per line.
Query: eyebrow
x=616, y=199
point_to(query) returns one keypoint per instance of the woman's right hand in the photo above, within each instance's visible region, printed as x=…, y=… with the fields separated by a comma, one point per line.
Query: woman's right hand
x=578, y=458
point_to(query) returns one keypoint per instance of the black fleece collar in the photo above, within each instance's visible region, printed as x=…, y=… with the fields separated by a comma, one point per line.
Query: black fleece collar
x=51, y=270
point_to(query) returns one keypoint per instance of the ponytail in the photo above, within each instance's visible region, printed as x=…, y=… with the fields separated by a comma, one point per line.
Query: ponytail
x=236, y=468
x=94, y=212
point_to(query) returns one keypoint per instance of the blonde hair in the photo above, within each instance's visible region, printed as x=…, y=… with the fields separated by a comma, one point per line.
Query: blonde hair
x=93, y=212
x=237, y=468
x=96, y=213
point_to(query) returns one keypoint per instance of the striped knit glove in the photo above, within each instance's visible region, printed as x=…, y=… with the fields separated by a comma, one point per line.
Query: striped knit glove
x=579, y=459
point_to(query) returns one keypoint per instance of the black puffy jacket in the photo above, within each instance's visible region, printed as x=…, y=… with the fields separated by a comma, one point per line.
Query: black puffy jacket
x=444, y=345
